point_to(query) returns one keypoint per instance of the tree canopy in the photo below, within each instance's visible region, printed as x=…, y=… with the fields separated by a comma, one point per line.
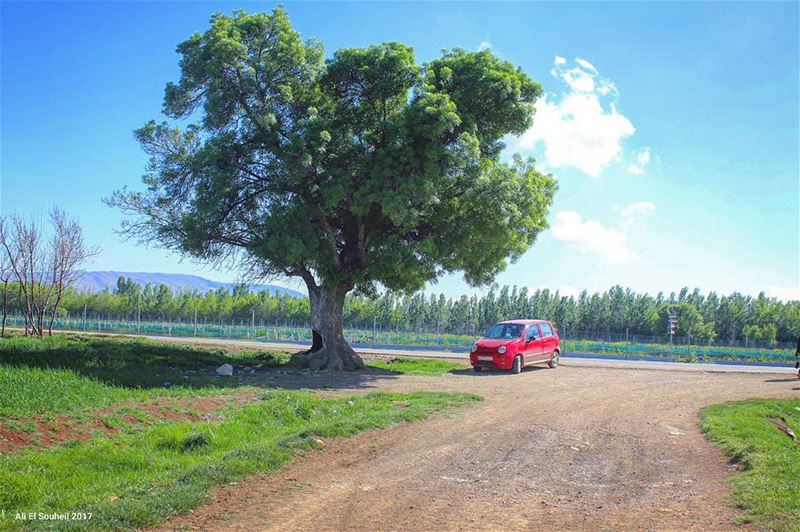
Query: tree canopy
x=363, y=169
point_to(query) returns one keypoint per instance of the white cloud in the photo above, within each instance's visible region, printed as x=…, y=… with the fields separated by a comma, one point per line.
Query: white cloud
x=578, y=79
x=784, y=293
x=484, y=45
x=642, y=160
x=581, y=129
x=592, y=237
x=637, y=209
x=586, y=64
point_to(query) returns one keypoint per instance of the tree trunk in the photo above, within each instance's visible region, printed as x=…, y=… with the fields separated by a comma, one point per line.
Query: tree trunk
x=52, y=320
x=329, y=349
x=5, y=307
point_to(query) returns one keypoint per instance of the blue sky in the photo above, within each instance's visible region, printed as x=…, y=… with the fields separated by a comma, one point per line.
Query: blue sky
x=672, y=128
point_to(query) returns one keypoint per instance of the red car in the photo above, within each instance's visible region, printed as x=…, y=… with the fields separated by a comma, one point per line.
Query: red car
x=515, y=344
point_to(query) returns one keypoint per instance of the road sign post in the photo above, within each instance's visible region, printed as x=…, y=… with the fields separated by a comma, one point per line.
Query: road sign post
x=673, y=321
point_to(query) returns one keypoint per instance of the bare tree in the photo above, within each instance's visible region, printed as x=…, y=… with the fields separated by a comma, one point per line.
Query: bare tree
x=5, y=277
x=68, y=252
x=43, y=267
x=22, y=243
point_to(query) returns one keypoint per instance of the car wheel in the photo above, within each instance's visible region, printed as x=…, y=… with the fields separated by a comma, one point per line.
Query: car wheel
x=517, y=366
x=553, y=361
x=477, y=368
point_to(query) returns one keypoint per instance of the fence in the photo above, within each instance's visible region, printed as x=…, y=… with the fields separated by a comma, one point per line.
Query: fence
x=681, y=349
x=286, y=332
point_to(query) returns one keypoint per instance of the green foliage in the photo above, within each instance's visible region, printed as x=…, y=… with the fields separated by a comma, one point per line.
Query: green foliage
x=767, y=489
x=760, y=333
x=419, y=366
x=361, y=169
x=194, y=440
x=690, y=322
x=704, y=316
x=136, y=480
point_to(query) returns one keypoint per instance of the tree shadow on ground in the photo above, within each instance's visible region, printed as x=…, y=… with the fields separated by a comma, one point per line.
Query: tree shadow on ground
x=291, y=379
x=141, y=363
x=792, y=379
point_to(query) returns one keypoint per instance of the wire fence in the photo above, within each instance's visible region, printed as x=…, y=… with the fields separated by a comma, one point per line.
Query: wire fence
x=619, y=345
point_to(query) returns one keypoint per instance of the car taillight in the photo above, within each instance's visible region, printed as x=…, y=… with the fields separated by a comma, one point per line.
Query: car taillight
x=474, y=347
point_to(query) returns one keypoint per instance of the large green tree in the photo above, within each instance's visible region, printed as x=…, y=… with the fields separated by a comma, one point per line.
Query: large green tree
x=361, y=170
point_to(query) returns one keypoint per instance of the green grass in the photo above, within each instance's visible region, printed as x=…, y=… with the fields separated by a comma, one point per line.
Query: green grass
x=418, y=366
x=68, y=374
x=63, y=375
x=136, y=480
x=141, y=473
x=768, y=488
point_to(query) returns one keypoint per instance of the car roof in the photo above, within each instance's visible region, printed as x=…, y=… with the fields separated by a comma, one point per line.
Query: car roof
x=523, y=322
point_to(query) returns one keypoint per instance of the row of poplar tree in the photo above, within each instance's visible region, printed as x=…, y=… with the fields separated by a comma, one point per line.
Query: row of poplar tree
x=704, y=317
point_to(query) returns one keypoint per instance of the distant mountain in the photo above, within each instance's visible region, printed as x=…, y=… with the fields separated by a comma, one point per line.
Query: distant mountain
x=98, y=281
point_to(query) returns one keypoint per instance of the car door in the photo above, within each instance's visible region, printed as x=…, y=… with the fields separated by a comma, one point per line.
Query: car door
x=533, y=344
x=548, y=341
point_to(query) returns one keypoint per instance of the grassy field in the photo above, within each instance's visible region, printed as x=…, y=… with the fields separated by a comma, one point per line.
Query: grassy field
x=768, y=488
x=62, y=375
x=143, y=449
x=65, y=374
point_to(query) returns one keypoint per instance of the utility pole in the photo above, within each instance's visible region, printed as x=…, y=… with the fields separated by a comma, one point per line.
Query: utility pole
x=138, y=314
x=84, y=316
x=253, y=322
x=195, y=321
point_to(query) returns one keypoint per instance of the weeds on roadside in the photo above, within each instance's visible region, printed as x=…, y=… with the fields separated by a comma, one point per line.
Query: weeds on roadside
x=768, y=488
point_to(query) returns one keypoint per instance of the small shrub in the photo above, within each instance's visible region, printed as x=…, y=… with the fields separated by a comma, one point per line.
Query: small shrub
x=193, y=441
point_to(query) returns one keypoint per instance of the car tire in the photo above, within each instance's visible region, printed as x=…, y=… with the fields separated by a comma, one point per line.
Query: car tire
x=516, y=367
x=478, y=369
x=553, y=364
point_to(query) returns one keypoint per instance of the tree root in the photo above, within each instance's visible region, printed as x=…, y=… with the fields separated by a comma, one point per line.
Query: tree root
x=341, y=359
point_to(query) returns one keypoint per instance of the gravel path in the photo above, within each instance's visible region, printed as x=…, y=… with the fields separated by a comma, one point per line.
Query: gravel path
x=602, y=448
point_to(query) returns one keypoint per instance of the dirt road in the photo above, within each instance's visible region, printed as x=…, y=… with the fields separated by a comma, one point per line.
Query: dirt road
x=573, y=448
